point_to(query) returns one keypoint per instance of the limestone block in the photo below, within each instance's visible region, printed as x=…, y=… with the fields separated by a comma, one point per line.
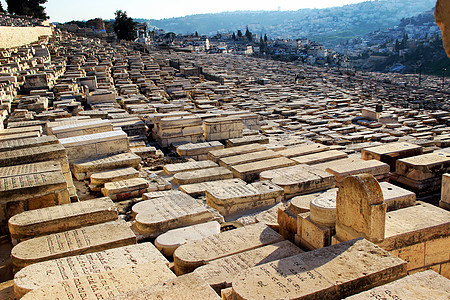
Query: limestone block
x=445, y=193
x=124, y=189
x=299, y=179
x=424, y=166
x=374, y=167
x=84, y=128
x=389, y=153
x=172, y=169
x=202, y=175
x=232, y=199
x=195, y=189
x=303, y=150
x=100, y=178
x=248, y=158
x=85, y=168
x=328, y=273
x=106, y=284
x=158, y=215
x=215, y=155
x=360, y=209
x=323, y=209
x=189, y=286
x=250, y=171
x=73, y=242
x=245, y=140
x=220, y=272
x=198, y=148
x=40, y=274
x=396, y=197
x=420, y=286
x=441, y=16
x=59, y=218
x=168, y=242
x=197, y=253
x=312, y=235
x=320, y=157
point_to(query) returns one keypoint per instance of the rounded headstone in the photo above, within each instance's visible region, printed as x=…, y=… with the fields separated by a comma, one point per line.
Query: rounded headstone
x=323, y=209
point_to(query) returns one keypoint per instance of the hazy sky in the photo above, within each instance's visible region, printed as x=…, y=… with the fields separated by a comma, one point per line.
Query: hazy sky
x=67, y=10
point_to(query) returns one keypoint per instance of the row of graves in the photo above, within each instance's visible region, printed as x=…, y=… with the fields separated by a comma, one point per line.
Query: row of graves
x=127, y=176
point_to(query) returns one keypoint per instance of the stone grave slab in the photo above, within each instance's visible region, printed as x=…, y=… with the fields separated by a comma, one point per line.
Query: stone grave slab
x=99, y=179
x=377, y=168
x=85, y=168
x=158, y=215
x=324, y=156
x=72, y=242
x=40, y=274
x=215, y=155
x=27, y=143
x=172, y=169
x=9, y=137
x=247, y=158
x=189, y=286
x=420, y=286
x=328, y=273
x=303, y=150
x=202, y=175
x=237, y=198
x=105, y=284
x=197, y=253
x=54, y=152
x=198, y=151
x=323, y=208
x=220, y=272
x=445, y=192
x=8, y=131
x=195, y=189
x=389, y=153
x=168, y=242
x=425, y=166
x=32, y=168
x=250, y=171
x=299, y=179
x=124, y=189
x=84, y=128
x=245, y=140
x=59, y=218
x=396, y=197
x=95, y=145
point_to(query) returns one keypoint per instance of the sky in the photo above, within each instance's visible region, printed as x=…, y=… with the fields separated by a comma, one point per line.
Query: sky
x=68, y=10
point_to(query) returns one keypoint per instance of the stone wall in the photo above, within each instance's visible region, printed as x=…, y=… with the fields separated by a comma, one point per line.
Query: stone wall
x=11, y=37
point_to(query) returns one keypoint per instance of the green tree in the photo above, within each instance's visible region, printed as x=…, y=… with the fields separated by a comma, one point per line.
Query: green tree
x=124, y=26
x=248, y=34
x=265, y=38
x=2, y=10
x=239, y=33
x=32, y=8
x=196, y=34
x=233, y=36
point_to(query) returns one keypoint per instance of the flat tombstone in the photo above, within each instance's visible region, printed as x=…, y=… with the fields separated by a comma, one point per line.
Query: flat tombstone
x=374, y=167
x=171, y=169
x=197, y=253
x=396, y=197
x=49, y=272
x=113, y=175
x=189, y=286
x=73, y=242
x=215, y=155
x=247, y=158
x=158, y=215
x=27, y=143
x=200, y=188
x=304, y=150
x=106, y=284
x=220, y=272
x=420, y=286
x=424, y=166
x=251, y=171
x=328, y=273
x=320, y=157
x=209, y=174
x=168, y=242
x=123, y=189
x=391, y=152
x=198, y=148
x=59, y=218
x=360, y=209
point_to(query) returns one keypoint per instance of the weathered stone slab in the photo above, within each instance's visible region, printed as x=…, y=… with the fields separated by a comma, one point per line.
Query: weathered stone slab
x=189, y=286
x=248, y=158
x=195, y=189
x=323, y=208
x=420, y=286
x=220, y=272
x=320, y=157
x=106, y=284
x=299, y=179
x=197, y=253
x=328, y=273
x=84, y=128
x=95, y=145
x=100, y=178
x=59, y=218
x=48, y=272
x=389, y=153
x=35, y=154
x=303, y=150
x=172, y=169
x=9, y=131
x=33, y=168
x=250, y=171
x=209, y=174
x=232, y=199
x=158, y=215
x=168, y=242
x=24, y=135
x=73, y=242
x=198, y=148
x=85, y=168
x=445, y=192
x=360, y=209
x=374, y=167
x=424, y=166
x=124, y=189
x=245, y=140
x=215, y=155
x=396, y=197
